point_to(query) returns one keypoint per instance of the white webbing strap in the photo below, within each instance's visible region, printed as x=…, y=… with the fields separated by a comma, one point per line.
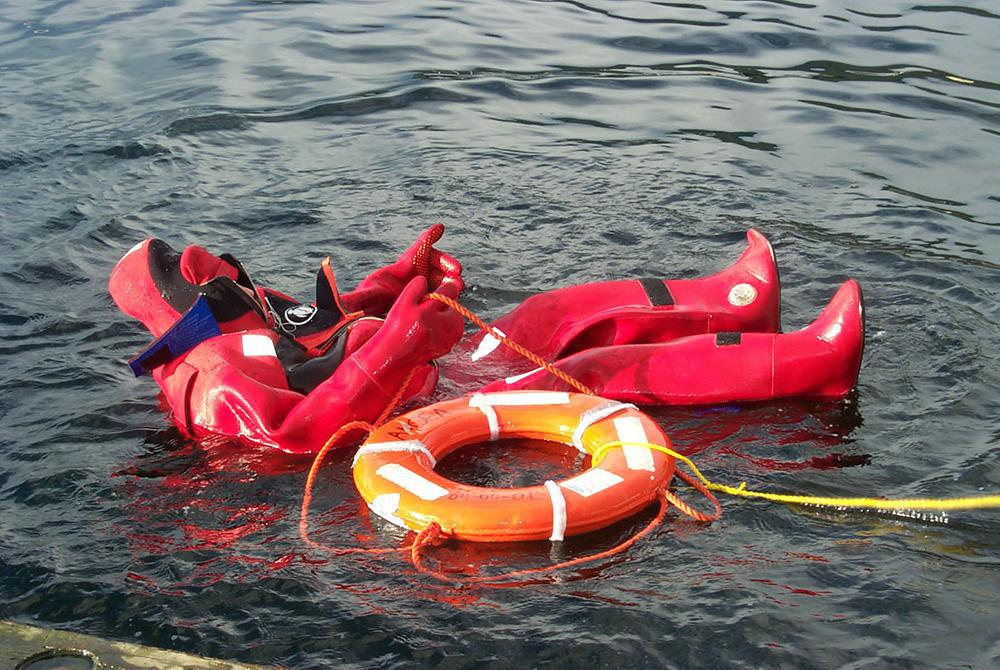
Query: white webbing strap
x=593, y=415
x=519, y=398
x=558, y=511
x=477, y=400
x=413, y=446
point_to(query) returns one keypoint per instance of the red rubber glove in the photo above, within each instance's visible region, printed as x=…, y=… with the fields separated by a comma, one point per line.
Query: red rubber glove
x=377, y=292
x=421, y=329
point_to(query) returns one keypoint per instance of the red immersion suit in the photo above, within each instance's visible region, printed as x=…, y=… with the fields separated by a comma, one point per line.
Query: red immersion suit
x=288, y=375
x=681, y=342
x=281, y=373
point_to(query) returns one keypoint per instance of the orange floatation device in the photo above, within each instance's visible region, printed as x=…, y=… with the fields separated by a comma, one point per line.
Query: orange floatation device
x=394, y=469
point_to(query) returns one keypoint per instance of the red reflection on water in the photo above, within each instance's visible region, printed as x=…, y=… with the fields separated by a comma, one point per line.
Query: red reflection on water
x=792, y=589
x=808, y=557
x=202, y=513
x=828, y=462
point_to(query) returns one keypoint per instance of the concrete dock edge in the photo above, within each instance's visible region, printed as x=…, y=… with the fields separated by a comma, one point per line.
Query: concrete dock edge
x=18, y=642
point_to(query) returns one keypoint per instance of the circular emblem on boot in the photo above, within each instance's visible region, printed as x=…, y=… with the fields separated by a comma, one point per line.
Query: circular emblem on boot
x=299, y=315
x=742, y=295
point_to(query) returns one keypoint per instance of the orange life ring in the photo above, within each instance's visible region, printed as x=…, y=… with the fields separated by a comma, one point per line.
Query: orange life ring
x=394, y=469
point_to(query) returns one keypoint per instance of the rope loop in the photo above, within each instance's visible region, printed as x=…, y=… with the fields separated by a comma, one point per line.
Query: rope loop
x=368, y=428
x=434, y=536
x=688, y=509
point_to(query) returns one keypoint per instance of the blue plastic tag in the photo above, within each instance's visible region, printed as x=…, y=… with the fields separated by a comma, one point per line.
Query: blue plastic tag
x=194, y=327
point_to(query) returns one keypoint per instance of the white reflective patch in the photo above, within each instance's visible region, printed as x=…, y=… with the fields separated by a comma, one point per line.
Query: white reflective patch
x=258, y=345
x=558, y=511
x=591, y=482
x=517, y=378
x=135, y=248
x=413, y=446
x=385, y=506
x=592, y=416
x=630, y=429
x=410, y=481
x=487, y=345
x=517, y=398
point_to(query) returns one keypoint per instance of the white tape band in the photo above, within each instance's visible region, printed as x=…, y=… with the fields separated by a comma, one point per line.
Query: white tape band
x=413, y=446
x=558, y=511
x=592, y=416
x=491, y=416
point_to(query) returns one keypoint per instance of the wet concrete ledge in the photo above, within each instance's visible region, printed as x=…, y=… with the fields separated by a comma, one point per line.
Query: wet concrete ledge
x=18, y=642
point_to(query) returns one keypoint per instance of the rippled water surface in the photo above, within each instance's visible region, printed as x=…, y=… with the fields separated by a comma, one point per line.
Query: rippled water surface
x=559, y=142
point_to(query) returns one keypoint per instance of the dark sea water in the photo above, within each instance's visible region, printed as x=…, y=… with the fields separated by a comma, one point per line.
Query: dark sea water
x=560, y=142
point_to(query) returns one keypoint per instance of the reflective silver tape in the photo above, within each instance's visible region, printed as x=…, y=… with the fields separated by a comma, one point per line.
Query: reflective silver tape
x=410, y=481
x=258, y=345
x=637, y=457
x=592, y=481
x=523, y=375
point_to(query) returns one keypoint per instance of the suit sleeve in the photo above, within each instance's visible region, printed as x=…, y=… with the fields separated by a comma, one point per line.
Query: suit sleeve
x=234, y=385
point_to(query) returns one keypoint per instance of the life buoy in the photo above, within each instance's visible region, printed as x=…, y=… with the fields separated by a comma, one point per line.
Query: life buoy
x=394, y=469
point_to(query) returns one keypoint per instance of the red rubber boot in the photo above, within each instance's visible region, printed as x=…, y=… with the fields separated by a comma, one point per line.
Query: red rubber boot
x=744, y=297
x=821, y=360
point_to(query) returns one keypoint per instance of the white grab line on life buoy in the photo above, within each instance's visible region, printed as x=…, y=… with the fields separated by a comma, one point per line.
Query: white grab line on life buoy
x=412, y=446
x=491, y=416
x=637, y=457
x=410, y=481
x=520, y=398
x=487, y=345
x=592, y=416
x=558, y=511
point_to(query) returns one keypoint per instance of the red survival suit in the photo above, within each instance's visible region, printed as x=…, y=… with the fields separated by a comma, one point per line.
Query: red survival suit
x=286, y=374
x=680, y=342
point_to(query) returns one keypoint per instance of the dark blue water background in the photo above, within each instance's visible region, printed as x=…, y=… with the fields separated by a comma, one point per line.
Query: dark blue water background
x=560, y=142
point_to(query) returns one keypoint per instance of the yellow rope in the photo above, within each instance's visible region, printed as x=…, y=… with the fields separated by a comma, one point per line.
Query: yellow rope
x=943, y=504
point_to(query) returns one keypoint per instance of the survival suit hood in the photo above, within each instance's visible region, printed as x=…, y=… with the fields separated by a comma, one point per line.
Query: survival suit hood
x=157, y=285
x=180, y=297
